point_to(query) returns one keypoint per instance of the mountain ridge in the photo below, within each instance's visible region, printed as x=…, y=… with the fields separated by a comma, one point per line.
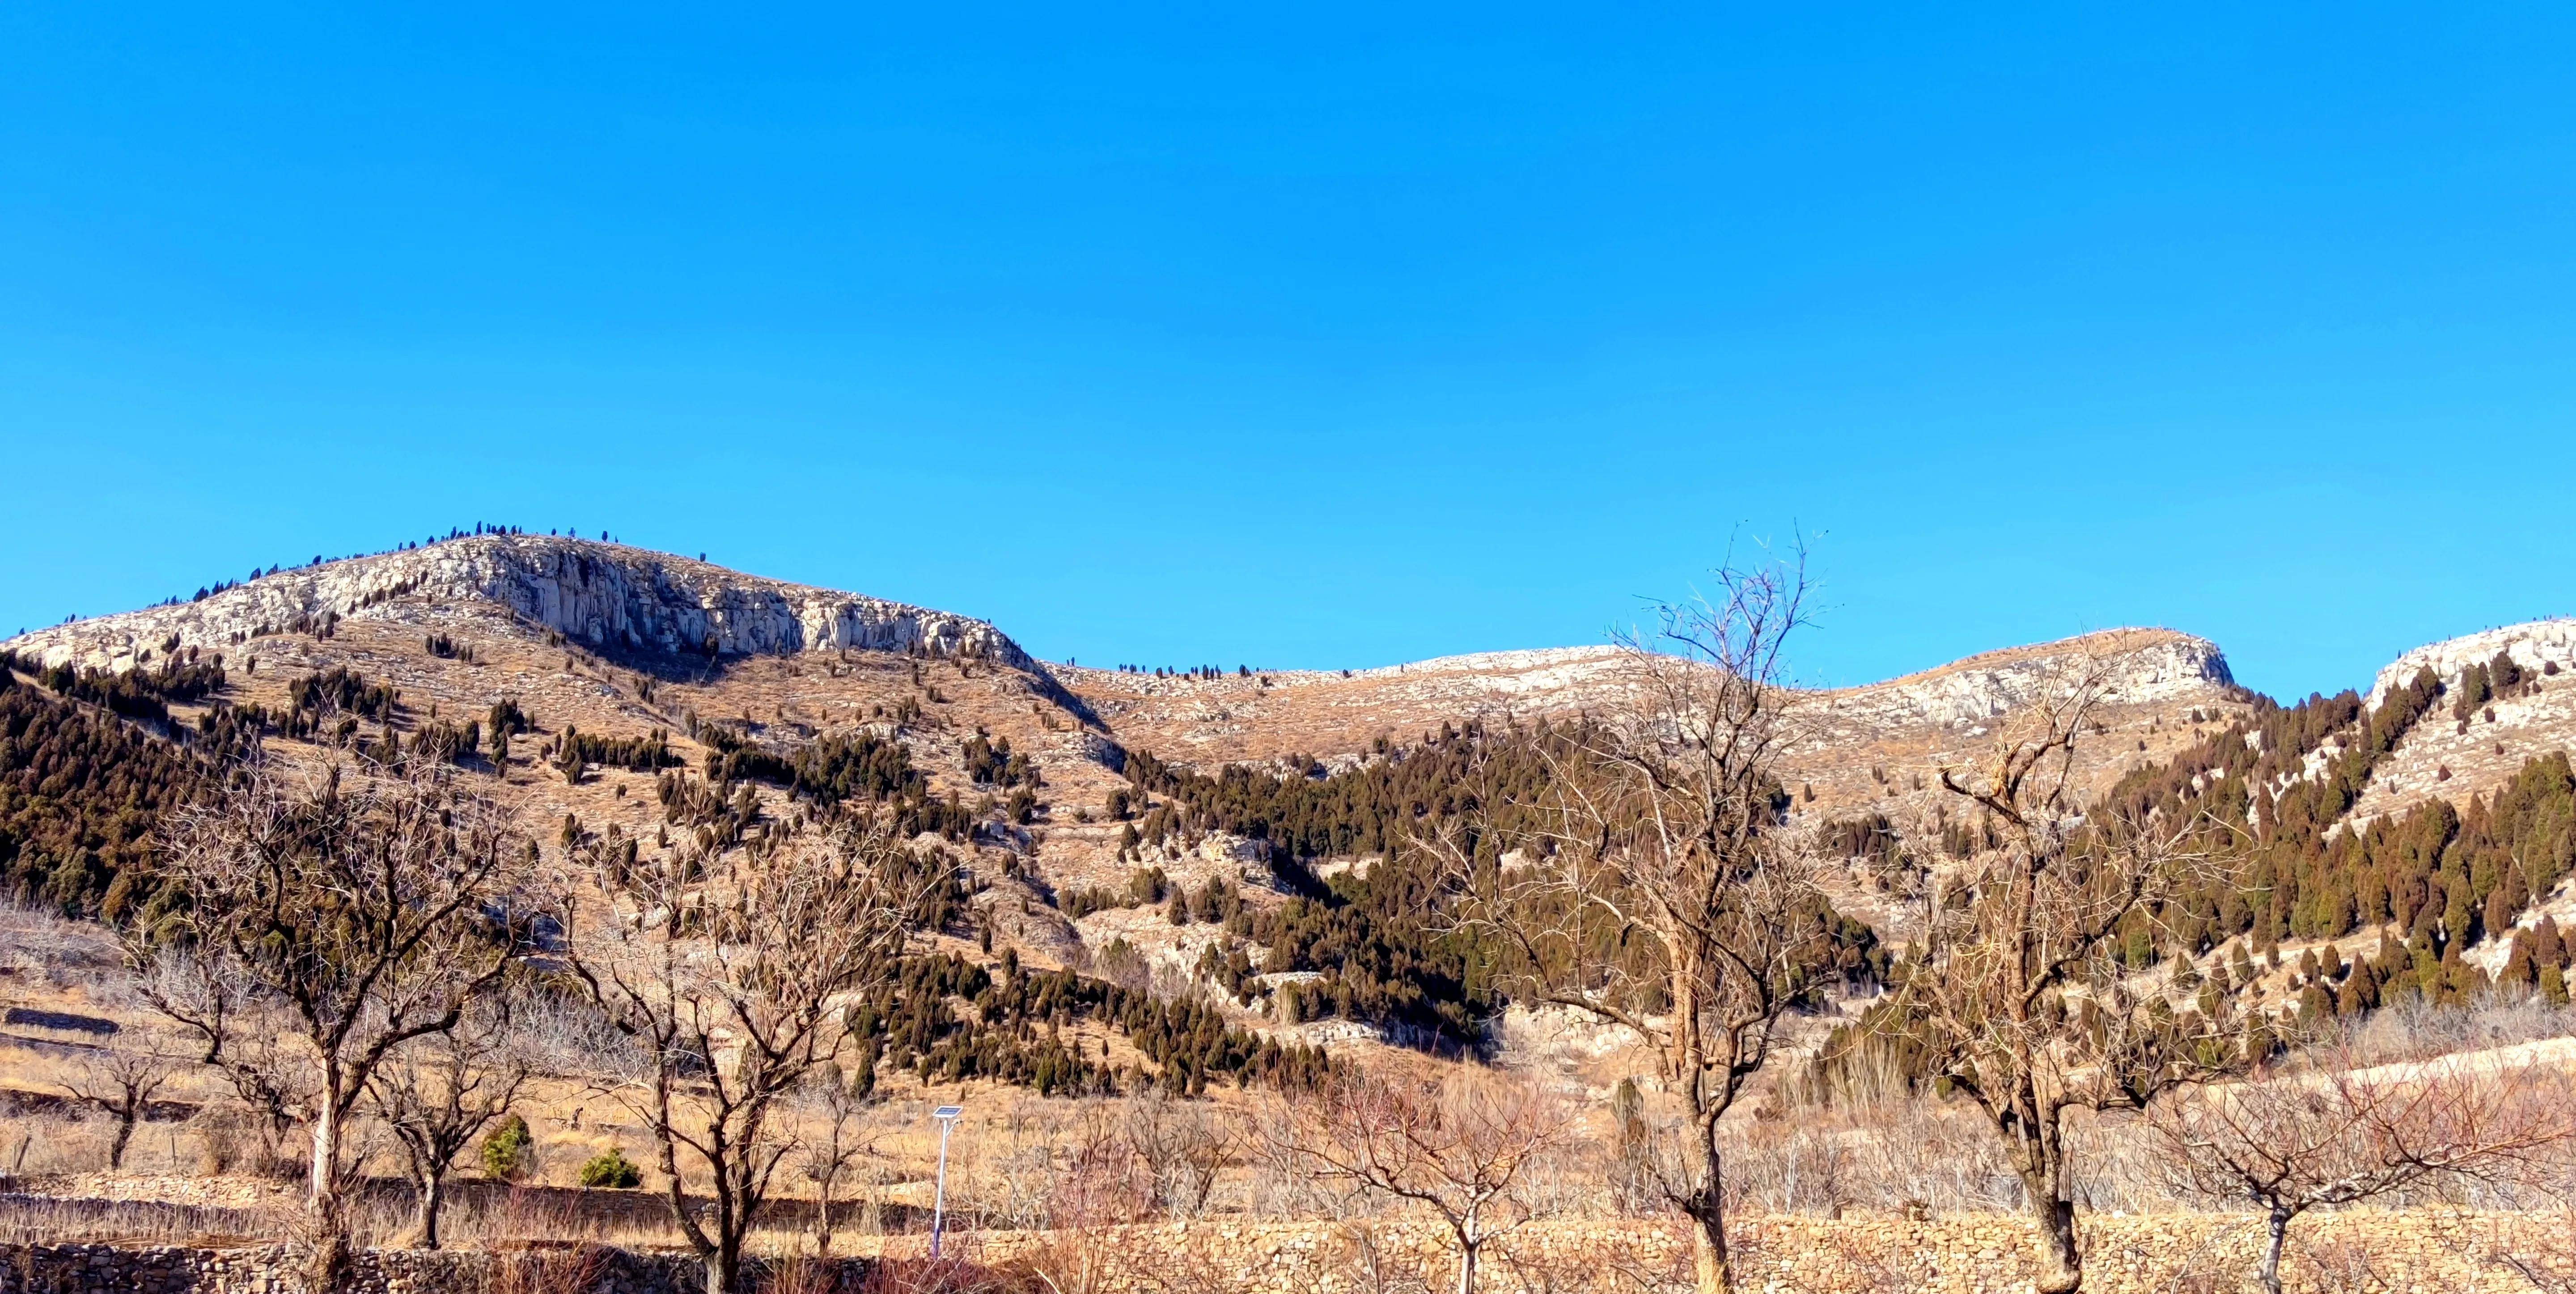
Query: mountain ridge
x=1035, y=768
x=631, y=605
x=606, y=595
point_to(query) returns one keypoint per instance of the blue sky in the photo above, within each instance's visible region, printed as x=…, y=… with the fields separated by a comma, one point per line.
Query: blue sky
x=1321, y=336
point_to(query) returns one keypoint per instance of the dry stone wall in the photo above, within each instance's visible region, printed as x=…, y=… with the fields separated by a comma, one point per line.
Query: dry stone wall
x=272, y=1269
x=2427, y=1251
x=2452, y=1253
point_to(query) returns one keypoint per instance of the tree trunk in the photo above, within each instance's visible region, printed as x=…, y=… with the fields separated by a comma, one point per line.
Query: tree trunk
x=432, y=1186
x=823, y=1219
x=724, y=1266
x=327, y=1225
x=2061, y=1268
x=124, y=1134
x=2270, y=1274
x=2039, y=1159
x=1467, y=1267
x=1709, y=1262
x=324, y=1184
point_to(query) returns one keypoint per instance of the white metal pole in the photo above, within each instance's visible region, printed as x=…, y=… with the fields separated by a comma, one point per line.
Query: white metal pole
x=939, y=1193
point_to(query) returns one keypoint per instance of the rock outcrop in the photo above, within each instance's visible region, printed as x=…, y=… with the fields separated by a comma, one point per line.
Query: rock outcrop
x=2453, y=757
x=2533, y=646
x=2140, y=667
x=604, y=596
x=2155, y=679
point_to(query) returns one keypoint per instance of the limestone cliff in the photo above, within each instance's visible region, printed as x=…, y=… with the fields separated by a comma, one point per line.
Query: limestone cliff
x=2534, y=646
x=2141, y=667
x=605, y=596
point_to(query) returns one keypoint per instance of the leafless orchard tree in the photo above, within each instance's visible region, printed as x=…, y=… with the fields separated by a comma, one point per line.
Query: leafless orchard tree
x=2291, y=1139
x=365, y=911
x=121, y=1082
x=1181, y=1147
x=244, y=1034
x=833, y=1102
x=730, y=972
x=1662, y=890
x=2017, y=998
x=437, y=1093
x=1458, y=1147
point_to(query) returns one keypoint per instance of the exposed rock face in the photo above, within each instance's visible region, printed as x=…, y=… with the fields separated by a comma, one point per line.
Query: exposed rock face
x=2144, y=667
x=1877, y=748
x=606, y=596
x=2532, y=646
x=2451, y=758
x=1916, y=720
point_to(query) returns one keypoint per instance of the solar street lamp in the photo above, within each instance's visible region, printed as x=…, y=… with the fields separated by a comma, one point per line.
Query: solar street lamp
x=947, y=1117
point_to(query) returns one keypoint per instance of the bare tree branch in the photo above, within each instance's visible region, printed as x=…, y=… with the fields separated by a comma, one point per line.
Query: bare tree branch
x=1663, y=891
x=370, y=910
x=2015, y=995
x=731, y=972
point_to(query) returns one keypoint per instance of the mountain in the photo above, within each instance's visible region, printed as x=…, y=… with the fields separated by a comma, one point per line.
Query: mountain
x=1082, y=801
x=618, y=642
x=2479, y=753
x=1865, y=745
x=606, y=597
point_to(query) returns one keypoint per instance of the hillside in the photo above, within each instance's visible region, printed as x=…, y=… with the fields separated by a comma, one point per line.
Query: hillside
x=1866, y=749
x=619, y=642
x=633, y=668
x=2478, y=754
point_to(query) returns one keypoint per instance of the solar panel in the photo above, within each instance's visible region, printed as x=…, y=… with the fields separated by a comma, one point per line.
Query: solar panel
x=948, y=1112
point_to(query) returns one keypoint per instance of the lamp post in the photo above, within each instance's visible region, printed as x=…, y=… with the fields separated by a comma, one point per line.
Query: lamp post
x=947, y=1117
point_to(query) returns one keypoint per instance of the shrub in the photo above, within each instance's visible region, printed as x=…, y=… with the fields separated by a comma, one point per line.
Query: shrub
x=509, y=1150
x=612, y=1170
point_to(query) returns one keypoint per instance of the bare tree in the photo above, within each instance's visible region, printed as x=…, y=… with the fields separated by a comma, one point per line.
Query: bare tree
x=834, y=1101
x=1181, y=1147
x=437, y=1093
x=121, y=1082
x=731, y=972
x=2291, y=1140
x=1659, y=888
x=239, y=1032
x=1457, y=1147
x=366, y=910
x=2017, y=996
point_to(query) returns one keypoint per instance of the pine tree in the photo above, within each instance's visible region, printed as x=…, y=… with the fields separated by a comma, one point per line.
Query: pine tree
x=2519, y=968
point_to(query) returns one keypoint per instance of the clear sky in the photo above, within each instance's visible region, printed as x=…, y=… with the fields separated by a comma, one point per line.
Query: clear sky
x=1321, y=336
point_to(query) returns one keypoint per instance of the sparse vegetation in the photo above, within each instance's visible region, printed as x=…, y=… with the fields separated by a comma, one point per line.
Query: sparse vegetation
x=2213, y=917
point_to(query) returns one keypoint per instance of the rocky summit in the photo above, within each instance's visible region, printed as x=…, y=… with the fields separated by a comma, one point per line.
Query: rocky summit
x=607, y=597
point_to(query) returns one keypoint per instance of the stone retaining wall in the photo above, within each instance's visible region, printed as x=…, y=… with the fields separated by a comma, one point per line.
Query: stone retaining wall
x=274, y=1269
x=2438, y=1252
x=2426, y=1251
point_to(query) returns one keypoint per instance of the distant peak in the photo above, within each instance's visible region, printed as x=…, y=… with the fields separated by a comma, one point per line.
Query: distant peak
x=603, y=594
x=2532, y=645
